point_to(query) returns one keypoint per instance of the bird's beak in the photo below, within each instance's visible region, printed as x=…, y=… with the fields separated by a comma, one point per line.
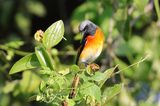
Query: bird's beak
x=82, y=32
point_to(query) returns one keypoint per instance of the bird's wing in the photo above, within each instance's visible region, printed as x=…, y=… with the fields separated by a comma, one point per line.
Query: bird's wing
x=83, y=42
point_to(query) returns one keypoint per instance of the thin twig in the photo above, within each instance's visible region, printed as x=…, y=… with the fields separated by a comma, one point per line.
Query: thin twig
x=74, y=86
x=137, y=63
x=18, y=52
x=64, y=103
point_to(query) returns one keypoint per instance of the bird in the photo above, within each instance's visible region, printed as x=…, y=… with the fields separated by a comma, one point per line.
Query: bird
x=90, y=48
x=91, y=44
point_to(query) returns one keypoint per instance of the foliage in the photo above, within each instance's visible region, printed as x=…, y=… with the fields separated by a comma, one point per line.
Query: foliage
x=129, y=63
x=15, y=28
x=131, y=29
x=55, y=85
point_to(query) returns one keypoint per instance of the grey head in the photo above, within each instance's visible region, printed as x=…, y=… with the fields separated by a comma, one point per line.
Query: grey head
x=87, y=28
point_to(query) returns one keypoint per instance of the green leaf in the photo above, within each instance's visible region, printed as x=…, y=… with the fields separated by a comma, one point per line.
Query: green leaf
x=10, y=86
x=110, y=92
x=36, y=7
x=90, y=89
x=107, y=74
x=29, y=82
x=29, y=61
x=57, y=83
x=74, y=69
x=23, y=22
x=98, y=76
x=45, y=71
x=14, y=44
x=43, y=57
x=70, y=102
x=84, y=75
x=54, y=34
x=42, y=86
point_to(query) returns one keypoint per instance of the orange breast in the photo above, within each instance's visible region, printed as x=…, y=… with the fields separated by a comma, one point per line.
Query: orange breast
x=93, y=47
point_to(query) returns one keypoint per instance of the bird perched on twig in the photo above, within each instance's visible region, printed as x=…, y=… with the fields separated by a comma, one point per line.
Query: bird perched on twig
x=90, y=48
x=91, y=44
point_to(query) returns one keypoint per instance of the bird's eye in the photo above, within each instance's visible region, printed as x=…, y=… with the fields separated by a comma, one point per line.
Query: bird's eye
x=85, y=28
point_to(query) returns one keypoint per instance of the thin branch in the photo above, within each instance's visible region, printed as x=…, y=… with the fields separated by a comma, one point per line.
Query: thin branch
x=137, y=63
x=18, y=52
x=74, y=86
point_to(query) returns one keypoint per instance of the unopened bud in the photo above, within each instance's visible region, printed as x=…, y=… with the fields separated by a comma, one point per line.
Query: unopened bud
x=39, y=35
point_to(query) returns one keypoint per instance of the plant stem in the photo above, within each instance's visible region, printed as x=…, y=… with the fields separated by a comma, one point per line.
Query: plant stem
x=64, y=103
x=137, y=63
x=156, y=4
x=74, y=86
x=21, y=53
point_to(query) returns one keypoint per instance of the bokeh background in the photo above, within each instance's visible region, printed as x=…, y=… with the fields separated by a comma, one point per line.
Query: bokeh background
x=132, y=32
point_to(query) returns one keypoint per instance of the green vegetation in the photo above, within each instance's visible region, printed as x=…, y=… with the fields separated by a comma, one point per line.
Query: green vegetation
x=56, y=84
x=129, y=71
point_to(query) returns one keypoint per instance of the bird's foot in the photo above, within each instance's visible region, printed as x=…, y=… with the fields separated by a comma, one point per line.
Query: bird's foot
x=94, y=67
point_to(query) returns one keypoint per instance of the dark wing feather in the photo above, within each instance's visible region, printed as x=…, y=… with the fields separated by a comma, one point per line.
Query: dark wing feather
x=83, y=42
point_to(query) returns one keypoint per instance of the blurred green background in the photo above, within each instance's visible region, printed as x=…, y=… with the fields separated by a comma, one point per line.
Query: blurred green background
x=132, y=32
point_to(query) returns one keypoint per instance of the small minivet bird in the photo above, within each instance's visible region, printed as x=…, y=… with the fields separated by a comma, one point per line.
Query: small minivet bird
x=91, y=44
x=90, y=48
